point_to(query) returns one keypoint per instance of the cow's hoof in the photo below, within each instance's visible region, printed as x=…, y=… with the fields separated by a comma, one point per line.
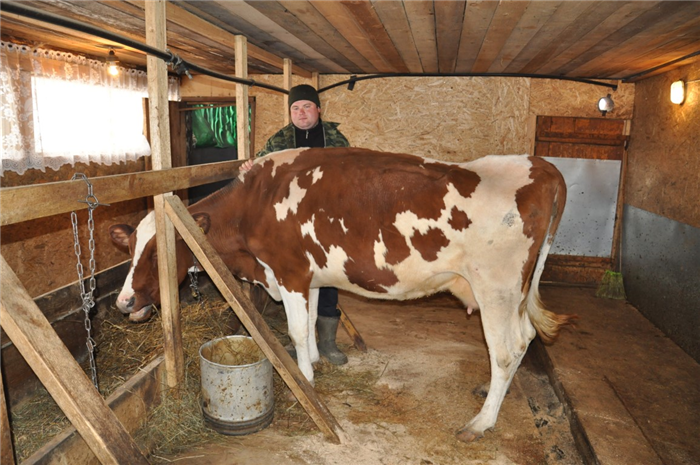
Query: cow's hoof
x=467, y=435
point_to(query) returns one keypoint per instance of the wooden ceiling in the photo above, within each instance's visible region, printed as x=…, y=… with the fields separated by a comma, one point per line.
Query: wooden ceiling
x=581, y=39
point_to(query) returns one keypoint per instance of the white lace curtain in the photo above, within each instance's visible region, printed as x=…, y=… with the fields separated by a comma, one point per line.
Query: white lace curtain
x=59, y=108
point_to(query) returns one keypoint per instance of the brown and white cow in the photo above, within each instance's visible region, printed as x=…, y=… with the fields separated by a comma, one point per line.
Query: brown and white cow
x=381, y=225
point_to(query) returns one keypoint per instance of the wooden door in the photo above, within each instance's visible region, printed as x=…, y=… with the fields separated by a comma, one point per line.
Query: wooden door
x=585, y=143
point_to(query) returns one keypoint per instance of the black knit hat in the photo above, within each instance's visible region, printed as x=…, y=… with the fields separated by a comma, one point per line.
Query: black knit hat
x=303, y=92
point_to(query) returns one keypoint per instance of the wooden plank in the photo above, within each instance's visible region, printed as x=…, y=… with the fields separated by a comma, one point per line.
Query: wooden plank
x=25, y=203
x=421, y=17
x=477, y=18
x=165, y=232
x=252, y=320
x=131, y=403
x=533, y=19
x=542, y=41
x=287, y=84
x=7, y=453
x=393, y=15
x=61, y=375
x=449, y=19
x=352, y=331
x=369, y=21
x=337, y=14
x=302, y=20
x=242, y=125
x=282, y=39
x=502, y=25
x=610, y=25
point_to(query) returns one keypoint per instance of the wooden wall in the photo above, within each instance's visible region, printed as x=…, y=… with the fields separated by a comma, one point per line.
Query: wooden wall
x=664, y=151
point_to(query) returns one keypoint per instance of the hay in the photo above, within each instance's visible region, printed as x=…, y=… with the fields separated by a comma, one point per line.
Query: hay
x=176, y=425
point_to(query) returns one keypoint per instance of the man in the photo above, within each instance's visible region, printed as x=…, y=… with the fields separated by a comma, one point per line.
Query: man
x=308, y=130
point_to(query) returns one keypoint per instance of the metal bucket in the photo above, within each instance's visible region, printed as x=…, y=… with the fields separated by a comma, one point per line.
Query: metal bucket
x=237, y=387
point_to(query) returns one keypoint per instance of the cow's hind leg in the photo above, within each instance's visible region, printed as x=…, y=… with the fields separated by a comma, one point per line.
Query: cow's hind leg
x=314, y=356
x=508, y=334
x=295, y=306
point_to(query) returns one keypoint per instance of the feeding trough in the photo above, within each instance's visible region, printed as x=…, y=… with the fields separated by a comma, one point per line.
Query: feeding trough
x=237, y=386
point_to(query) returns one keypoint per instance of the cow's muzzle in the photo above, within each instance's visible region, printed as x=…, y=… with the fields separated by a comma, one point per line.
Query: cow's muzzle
x=137, y=316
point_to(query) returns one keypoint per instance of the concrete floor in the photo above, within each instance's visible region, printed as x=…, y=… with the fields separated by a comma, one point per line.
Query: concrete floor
x=631, y=396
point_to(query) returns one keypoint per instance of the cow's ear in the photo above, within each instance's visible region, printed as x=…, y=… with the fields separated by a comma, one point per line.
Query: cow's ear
x=120, y=235
x=203, y=221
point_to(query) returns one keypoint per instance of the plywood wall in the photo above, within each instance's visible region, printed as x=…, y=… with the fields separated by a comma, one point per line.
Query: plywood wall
x=664, y=150
x=448, y=118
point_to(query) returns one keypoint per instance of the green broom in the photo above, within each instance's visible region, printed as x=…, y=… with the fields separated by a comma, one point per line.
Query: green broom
x=611, y=286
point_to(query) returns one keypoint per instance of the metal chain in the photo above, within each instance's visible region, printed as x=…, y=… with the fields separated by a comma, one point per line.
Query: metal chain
x=194, y=280
x=87, y=297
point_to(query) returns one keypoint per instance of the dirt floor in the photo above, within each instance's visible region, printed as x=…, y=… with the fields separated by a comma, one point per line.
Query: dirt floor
x=419, y=382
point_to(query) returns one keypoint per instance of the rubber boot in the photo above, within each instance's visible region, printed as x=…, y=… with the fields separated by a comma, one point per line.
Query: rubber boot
x=327, y=328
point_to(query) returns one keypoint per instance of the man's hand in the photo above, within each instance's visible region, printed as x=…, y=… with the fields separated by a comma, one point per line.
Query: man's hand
x=246, y=166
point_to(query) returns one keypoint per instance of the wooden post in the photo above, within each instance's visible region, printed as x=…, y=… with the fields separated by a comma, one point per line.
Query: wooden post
x=165, y=233
x=52, y=362
x=252, y=320
x=7, y=453
x=242, y=124
x=287, y=84
x=315, y=82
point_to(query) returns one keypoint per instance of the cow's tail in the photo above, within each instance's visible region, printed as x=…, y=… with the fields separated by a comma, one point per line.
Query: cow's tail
x=545, y=322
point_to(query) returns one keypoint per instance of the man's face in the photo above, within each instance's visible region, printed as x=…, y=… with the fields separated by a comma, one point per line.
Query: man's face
x=305, y=114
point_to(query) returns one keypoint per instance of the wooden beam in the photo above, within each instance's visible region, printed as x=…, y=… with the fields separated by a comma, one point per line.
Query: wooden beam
x=165, y=232
x=243, y=134
x=287, y=84
x=7, y=453
x=26, y=203
x=252, y=320
x=61, y=375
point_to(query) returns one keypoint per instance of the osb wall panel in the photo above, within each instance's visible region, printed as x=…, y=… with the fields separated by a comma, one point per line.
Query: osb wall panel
x=453, y=119
x=664, y=150
x=549, y=97
x=41, y=251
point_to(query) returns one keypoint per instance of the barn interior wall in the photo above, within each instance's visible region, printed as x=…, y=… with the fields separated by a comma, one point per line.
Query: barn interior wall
x=661, y=227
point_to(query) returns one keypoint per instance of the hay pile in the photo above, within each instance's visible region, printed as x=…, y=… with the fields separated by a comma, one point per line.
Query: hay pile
x=123, y=348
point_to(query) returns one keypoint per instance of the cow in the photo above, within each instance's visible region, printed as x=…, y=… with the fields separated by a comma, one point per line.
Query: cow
x=381, y=225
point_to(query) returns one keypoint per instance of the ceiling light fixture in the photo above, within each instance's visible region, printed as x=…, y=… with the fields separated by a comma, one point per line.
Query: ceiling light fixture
x=112, y=64
x=606, y=104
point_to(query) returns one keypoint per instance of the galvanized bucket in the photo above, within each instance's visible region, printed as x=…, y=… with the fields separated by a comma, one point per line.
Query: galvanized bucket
x=237, y=387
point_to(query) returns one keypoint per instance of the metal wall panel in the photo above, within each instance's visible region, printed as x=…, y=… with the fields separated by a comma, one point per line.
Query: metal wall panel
x=586, y=228
x=661, y=272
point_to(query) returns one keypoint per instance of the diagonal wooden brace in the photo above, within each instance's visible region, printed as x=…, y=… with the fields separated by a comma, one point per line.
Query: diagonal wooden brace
x=52, y=362
x=251, y=319
x=352, y=331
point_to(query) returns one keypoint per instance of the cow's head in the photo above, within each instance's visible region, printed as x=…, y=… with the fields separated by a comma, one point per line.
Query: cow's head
x=142, y=289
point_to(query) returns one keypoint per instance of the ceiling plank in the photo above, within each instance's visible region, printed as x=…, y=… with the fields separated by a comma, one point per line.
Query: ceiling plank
x=316, y=22
x=610, y=25
x=577, y=27
x=251, y=12
x=337, y=14
x=393, y=16
x=533, y=19
x=542, y=42
x=502, y=25
x=421, y=17
x=449, y=19
x=368, y=20
x=477, y=19
x=293, y=24
x=645, y=29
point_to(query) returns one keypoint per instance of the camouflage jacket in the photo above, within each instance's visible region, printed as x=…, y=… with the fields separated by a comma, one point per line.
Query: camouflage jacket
x=284, y=138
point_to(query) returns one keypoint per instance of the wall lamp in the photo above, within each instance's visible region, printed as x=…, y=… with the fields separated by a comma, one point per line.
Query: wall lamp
x=112, y=64
x=678, y=91
x=605, y=104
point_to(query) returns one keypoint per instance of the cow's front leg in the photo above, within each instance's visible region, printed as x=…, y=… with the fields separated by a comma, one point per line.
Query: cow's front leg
x=313, y=314
x=295, y=306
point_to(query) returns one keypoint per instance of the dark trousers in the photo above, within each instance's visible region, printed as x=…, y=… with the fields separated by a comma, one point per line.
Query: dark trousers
x=328, y=302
